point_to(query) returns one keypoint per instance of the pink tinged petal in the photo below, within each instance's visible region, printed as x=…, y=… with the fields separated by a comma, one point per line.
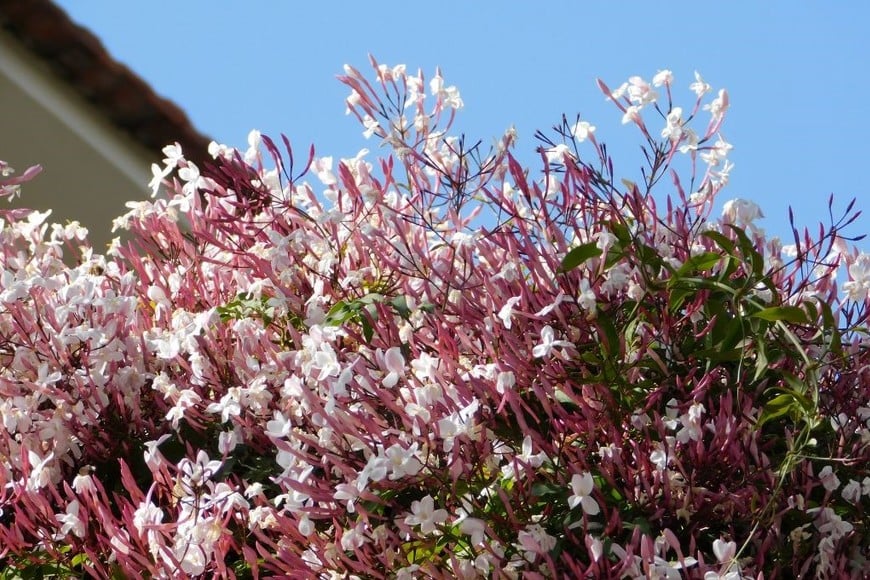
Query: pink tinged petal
x=724, y=551
x=395, y=365
x=829, y=479
x=507, y=311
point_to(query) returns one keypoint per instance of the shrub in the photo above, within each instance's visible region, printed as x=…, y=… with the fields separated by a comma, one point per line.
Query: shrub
x=438, y=364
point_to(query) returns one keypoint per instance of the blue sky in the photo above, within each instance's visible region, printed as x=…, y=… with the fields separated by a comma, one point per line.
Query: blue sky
x=796, y=73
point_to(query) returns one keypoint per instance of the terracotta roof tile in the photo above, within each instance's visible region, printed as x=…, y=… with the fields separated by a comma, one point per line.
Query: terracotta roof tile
x=79, y=58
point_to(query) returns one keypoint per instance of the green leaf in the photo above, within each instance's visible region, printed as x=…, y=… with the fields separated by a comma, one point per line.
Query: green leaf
x=761, y=361
x=699, y=263
x=400, y=305
x=607, y=334
x=720, y=239
x=579, y=255
x=544, y=489
x=340, y=313
x=620, y=230
x=777, y=407
x=368, y=331
x=830, y=325
x=787, y=313
x=750, y=253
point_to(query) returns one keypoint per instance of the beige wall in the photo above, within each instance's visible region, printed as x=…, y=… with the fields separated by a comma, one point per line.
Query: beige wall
x=90, y=169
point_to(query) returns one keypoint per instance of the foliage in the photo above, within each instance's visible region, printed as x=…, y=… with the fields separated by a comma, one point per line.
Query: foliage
x=437, y=364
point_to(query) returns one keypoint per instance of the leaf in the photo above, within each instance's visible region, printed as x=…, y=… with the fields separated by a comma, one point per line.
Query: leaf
x=607, y=332
x=629, y=185
x=699, y=263
x=721, y=240
x=787, y=313
x=750, y=253
x=579, y=255
x=777, y=407
x=368, y=331
x=340, y=313
x=761, y=361
x=830, y=325
x=400, y=305
x=545, y=489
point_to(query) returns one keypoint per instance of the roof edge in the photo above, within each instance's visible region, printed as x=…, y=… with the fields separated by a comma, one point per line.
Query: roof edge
x=81, y=60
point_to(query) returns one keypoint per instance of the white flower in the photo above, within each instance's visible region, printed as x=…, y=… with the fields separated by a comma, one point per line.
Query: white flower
x=424, y=366
x=424, y=514
x=719, y=105
x=535, y=540
x=395, y=364
x=376, y=469
x=147, y=516
x=227, y=441
x=661, y=568
x=852, y=492
x=526, y=457
x=581, y=493
x=724, y=551
x=548, y=343
x=71, y=521
x=699, y=87
x=457, y=424
x=403, y=461
x=83, y=481
x=691, y=426
x=447, y=97
x=353, y=538
x=690, y=140
x=192, y=177
x=475, y=528
x=582, y=130
x=587, y=298
x=505, y=381
x=42, y=471
x=828, y=478
x=632, y=113
x=858, y=286
x=716, y=153
x=595, y=547
x=639, y=92
x=741, y=212
x=278, y=427
x=558, y=153
x=663, y=77
x=507, y=311
x=195, y=473
x=659, y=456
x=229, y=405
x=347, y=492
x=552, y=306
x=371, y=126
x=673, y=130
x=829, y=523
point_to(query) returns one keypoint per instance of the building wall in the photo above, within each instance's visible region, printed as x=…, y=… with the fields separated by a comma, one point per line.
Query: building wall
x=90, y=168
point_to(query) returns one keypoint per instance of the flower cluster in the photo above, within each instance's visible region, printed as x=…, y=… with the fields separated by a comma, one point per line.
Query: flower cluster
x=436, y=364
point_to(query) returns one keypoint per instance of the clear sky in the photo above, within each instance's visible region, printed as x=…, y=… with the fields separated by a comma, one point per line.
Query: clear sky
x=797, y=74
